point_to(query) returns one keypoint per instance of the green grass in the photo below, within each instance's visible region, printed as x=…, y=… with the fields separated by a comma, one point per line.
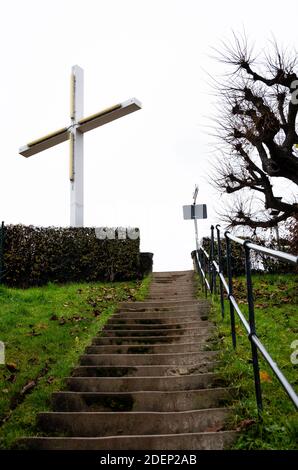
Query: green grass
x=276, y=312
x=45, y=330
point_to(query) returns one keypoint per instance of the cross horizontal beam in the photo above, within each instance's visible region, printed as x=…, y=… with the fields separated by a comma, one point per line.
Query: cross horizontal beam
x=46, y=142
x=83, y=125
x=108, y=115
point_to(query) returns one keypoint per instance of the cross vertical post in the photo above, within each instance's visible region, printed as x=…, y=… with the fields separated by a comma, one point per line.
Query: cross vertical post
x=76, y=170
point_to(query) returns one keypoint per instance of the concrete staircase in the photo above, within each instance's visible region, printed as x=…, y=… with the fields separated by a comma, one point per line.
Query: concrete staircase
x=146, y=381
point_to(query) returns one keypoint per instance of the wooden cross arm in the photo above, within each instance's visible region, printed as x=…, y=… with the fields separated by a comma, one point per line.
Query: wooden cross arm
x=108, y=115
x=46, y=142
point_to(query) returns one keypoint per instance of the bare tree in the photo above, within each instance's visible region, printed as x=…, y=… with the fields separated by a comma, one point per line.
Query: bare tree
x=258, y=126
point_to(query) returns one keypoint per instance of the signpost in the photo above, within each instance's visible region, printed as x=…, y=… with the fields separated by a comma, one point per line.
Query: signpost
x=195, y=212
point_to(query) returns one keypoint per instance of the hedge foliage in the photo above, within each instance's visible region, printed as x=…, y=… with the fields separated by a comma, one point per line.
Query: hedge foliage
x=34, y=256
x=237, y=255
x=259, y=262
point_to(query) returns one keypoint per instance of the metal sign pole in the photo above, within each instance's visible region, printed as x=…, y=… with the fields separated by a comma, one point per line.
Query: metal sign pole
x=195, y=220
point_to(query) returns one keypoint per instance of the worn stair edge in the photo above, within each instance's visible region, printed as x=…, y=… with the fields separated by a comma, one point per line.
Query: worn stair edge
x=193, y=441
x=135, y=384
x=202, y=345
x=175, y=339
x=144, y=371
x=161, y=309
x=163, y=303
x=159, y=315
x=148, y=359
x=158, y=326
x=184, y=400
x=86, y=424
x=186, y=332
x=156, y=321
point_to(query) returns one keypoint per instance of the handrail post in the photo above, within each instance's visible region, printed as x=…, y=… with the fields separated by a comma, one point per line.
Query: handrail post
x=222, y=303
x=206, y=264
x=201, y=267
x=213, y=280
x=230, y=283
x=252, y=325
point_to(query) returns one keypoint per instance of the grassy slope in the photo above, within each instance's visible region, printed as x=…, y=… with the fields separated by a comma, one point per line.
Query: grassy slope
x=276, y=310
x=45, y=330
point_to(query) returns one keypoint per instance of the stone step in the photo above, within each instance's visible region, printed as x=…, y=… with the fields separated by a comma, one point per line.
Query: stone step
x=161, y=315
x=157, y=304
x=179, y=286
x=154, y=321
x=176, y=287
x=193, y=441
x=159, y=326
x=169, y=297
x=136, y=384
x=186, y=290
x=98, y=424
x=172, y=401
x=165, y=311
x=148, y=348
x=173, y=292
x=175, y=339
x=177, y=359
x=143, y=371
x=161, y=332
x=173, y=275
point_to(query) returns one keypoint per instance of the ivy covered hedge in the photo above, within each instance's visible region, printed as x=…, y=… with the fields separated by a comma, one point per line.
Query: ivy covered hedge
x=34, y=256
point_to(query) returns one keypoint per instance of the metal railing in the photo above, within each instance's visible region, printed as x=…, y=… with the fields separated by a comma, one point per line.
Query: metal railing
x=209, y=268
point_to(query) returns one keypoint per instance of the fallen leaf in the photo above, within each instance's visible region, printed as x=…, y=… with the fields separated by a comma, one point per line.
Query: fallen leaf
x=264, y=376
x=217, y=428
x=28, y=387
x=246, y=423
x=33, y=333
x=11, y=366
x=12, y=378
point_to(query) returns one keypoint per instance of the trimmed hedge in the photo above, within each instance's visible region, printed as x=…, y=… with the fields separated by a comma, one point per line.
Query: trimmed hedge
x=34, y=256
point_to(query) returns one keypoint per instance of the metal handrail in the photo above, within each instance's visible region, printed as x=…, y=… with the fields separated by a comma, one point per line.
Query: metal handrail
x=215, y=269
x=263, y=249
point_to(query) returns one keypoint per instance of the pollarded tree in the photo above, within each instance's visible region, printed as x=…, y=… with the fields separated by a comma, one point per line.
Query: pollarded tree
x=258, y=126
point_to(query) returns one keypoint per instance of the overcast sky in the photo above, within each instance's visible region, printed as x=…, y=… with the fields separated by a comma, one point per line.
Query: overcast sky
x=141, y=169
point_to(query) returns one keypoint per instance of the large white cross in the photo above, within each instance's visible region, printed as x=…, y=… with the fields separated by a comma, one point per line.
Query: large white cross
x=75, y=134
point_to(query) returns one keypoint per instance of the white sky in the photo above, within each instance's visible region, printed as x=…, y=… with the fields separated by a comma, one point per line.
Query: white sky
x=141, y=169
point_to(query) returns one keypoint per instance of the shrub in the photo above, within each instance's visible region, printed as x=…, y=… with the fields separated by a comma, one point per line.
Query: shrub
x=34, y=256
